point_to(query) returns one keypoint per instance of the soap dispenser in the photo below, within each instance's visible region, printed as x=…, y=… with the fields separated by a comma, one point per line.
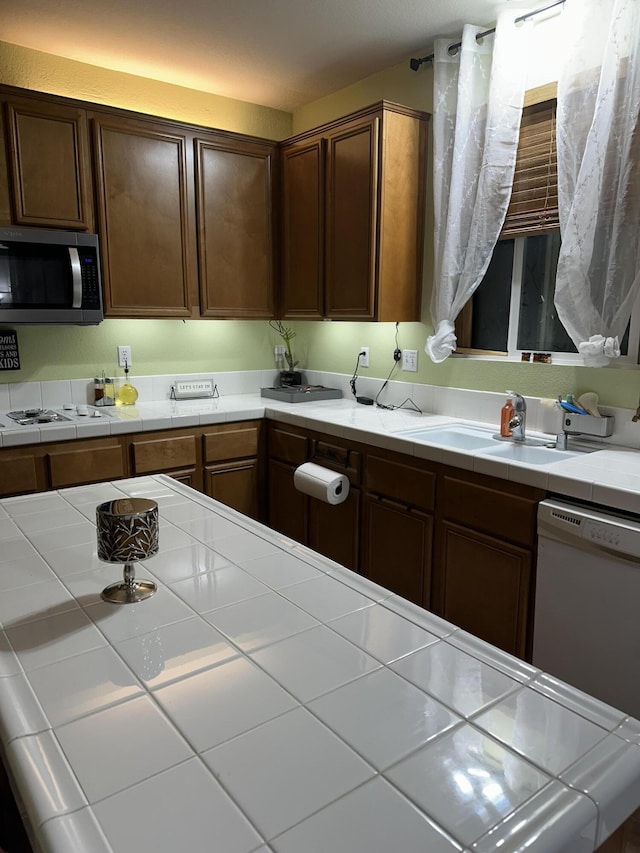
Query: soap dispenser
x=506, y=414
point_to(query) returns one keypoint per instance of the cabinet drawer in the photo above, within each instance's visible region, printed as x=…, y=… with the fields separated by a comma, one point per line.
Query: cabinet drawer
x=288, y=446
x=237, y=441
x=18, y=476
x=339, y=458
x=161, y=454
x=409, y=485
x=85, y=465
x=492, y=510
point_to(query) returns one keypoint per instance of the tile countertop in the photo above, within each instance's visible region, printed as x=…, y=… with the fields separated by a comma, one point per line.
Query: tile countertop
x=610, y=476
x=272, y=700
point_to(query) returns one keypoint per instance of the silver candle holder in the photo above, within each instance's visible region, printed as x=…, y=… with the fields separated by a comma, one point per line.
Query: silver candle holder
x=127, y=530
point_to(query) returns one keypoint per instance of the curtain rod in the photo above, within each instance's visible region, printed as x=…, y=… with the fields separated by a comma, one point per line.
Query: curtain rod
x=414, y=64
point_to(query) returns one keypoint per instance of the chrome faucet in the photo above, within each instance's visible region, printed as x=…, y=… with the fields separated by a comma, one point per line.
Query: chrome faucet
x=518, y=422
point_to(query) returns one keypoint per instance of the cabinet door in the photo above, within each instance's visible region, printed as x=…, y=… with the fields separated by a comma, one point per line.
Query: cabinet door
x=146, y=227
x=397, y=548
x=19, y=475
x=334, y=530
x=235, y=228
x=352, y=188
x=287, y=506
x=485, y=587
x=235, y=484
x=49, y=164
x=189, y=478
x=302, y=275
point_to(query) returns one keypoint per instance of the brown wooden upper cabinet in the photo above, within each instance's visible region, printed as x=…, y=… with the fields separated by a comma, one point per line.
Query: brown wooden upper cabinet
x=145, y=217
x=353, y=217
x=47, y=179
x=235, y=226
x=185, y=218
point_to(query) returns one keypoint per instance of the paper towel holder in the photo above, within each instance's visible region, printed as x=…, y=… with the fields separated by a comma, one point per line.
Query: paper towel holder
x=321, y=483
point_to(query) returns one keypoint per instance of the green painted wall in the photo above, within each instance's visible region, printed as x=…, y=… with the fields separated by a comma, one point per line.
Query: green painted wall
x=157, y=347
x=166, y=346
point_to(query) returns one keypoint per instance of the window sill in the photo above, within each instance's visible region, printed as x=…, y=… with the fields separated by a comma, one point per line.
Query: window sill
x=558, y=360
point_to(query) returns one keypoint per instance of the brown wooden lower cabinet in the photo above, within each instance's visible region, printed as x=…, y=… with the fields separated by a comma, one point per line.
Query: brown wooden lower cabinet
x=484, y=554
x=38, y=467
x=330, y=530
x=288, y=512
x=233, y=464
x=334, y=530
x=486, y=586
x=188, y=478
x=203, y=458
x=457, y=543
x=398, y=524
x=74, y=466
x=20, y=474
x=167, y=454
x=396, y=549
x=234, y=484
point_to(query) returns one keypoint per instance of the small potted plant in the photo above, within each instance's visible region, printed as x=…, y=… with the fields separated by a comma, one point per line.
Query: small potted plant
x=291, y=376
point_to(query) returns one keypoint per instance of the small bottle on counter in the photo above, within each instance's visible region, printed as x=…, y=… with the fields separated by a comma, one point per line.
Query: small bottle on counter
x=109, y=392
x=506, y=413
x=127, y=395
x=98, y=391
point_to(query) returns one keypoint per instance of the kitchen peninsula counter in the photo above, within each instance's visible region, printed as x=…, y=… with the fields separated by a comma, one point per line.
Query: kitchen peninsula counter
x=267, y=699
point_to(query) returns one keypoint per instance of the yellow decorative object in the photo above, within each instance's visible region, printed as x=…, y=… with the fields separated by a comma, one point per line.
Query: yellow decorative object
x=127, y=395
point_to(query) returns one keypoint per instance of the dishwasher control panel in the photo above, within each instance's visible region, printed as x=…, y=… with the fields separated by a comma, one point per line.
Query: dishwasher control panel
x=567, y=522
x=602, y=533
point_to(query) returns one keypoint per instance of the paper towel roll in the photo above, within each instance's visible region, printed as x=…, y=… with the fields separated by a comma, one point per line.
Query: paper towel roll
x=321, y=483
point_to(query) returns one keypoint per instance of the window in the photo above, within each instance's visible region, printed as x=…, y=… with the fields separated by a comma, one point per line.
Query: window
x=512, y=311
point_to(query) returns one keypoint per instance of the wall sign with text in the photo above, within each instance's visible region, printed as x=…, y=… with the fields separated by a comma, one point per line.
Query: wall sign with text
x=9, y=355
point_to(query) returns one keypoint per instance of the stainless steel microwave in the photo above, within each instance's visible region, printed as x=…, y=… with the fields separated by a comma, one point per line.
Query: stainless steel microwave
x=49, y=277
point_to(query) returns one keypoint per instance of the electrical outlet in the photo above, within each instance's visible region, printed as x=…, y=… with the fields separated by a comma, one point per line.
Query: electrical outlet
x=410, y=359
x=364, y=356
x=278, y=351
x=124, y=356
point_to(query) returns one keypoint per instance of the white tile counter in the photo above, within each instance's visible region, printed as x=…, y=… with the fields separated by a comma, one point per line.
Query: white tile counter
x=266, y=699
x=609, y=476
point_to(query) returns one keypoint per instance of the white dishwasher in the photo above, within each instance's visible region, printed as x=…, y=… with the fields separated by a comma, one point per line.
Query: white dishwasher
x=587, y=608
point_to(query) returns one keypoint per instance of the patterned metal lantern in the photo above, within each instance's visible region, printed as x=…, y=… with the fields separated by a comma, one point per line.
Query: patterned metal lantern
x=127, y=531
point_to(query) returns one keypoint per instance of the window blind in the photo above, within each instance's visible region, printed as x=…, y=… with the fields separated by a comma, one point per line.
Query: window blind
x=534, y=199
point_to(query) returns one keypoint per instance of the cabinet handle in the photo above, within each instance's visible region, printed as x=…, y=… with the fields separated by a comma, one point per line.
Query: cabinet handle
x=393, y=504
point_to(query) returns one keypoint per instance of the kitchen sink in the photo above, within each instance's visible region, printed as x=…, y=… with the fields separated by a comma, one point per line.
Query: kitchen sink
x=457, y=436
x=530, y=454
x=534, y=451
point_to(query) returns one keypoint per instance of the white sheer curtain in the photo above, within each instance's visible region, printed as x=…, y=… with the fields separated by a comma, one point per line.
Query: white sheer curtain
x=477, y=107
x=599, y=174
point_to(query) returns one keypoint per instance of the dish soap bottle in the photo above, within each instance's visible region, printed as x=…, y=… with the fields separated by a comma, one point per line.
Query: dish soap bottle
x=506, y=413
x=127, y=395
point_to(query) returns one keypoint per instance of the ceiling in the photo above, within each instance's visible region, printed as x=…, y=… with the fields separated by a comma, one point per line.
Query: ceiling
x=279, y=53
